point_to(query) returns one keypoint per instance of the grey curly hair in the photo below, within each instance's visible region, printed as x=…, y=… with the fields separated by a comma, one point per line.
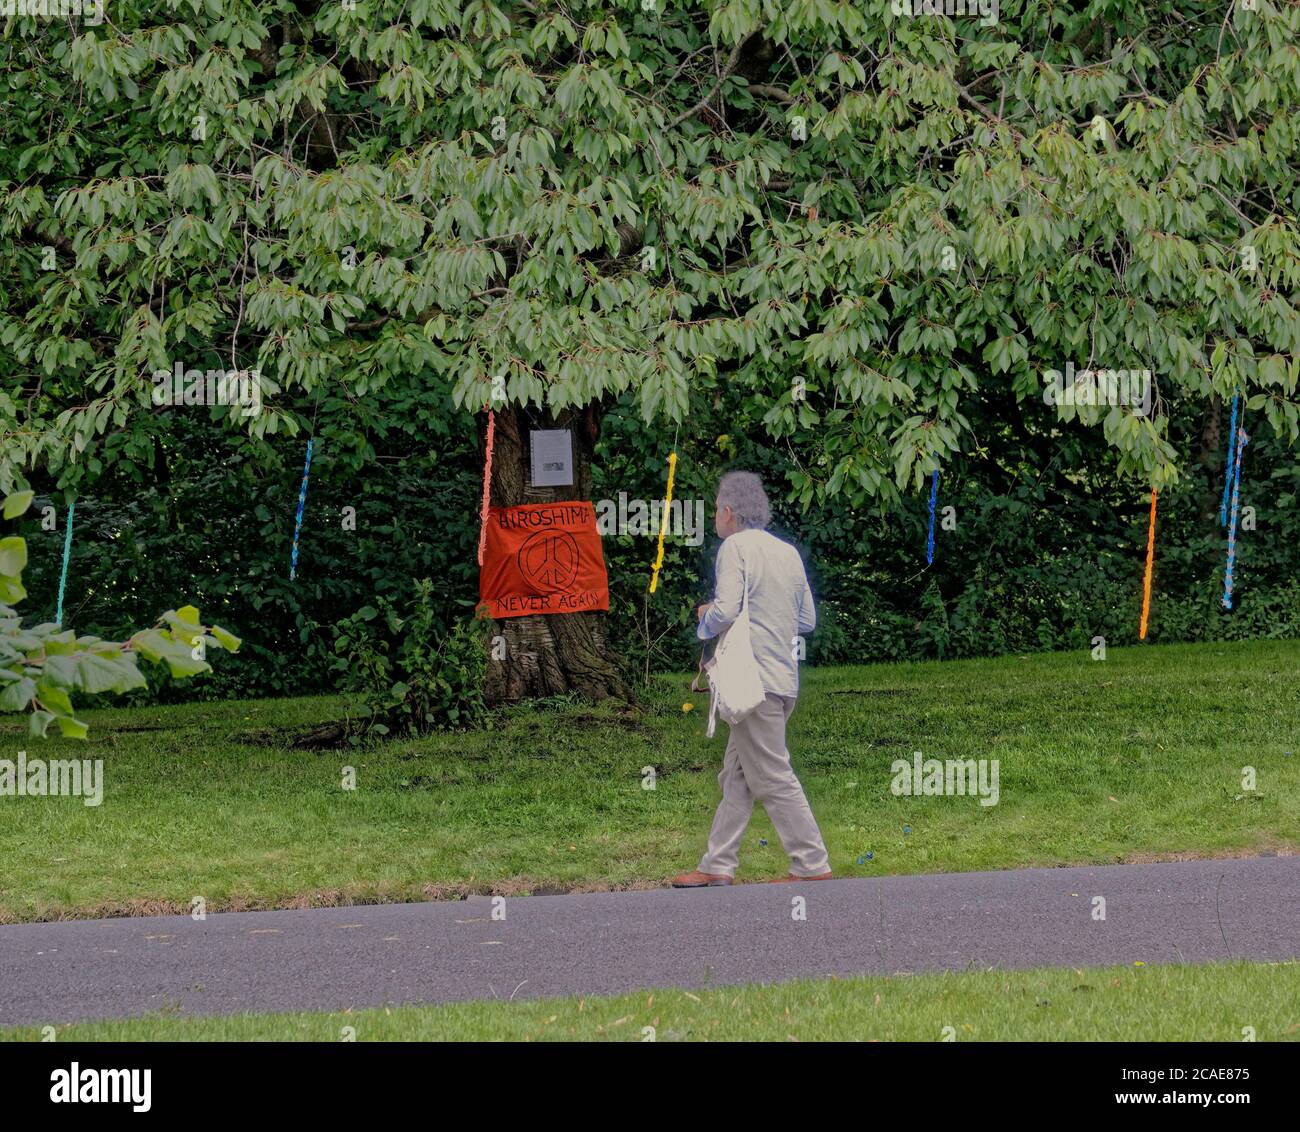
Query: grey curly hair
x=743, y=493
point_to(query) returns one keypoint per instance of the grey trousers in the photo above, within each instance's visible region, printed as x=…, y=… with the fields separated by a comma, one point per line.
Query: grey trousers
x=757, y=767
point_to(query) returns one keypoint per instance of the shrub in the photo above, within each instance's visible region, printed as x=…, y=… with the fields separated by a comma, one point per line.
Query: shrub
x=413, y=678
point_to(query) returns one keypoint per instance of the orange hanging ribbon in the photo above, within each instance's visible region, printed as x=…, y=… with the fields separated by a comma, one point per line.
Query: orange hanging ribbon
x=1151, y=558
x=487, y=484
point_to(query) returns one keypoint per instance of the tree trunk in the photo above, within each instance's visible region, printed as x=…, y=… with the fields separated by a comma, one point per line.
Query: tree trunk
x=548, y=654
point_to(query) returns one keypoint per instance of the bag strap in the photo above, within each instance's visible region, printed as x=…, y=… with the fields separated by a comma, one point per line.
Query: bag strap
x=699, y=673
x=744, y=605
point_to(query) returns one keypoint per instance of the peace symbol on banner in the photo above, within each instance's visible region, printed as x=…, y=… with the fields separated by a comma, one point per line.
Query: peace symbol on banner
x=549, y=560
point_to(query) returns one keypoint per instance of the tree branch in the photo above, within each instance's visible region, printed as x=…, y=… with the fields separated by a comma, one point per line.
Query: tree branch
x=773, y=92
x=31, y=235
x=722, y=78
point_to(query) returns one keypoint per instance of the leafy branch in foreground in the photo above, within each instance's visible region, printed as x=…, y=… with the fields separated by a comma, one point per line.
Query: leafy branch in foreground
x=42, y=665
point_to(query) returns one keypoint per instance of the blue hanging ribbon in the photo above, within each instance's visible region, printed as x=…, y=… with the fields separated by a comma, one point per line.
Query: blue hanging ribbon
x=1227, y=467
x=934, y=495
x=1242, y=441
x=302, y=502
x=67, y=553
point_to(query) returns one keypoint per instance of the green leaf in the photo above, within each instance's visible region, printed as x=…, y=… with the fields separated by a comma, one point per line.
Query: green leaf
x=228, y=641
x=71, y=728
x=17, y=696
x=17, y=503
x=39, y=723
x=59, y=644
x=99, y=674
x=54, y=697
x=182, y=628
x=13, y=556
x=61, y=671
x=152, y=645
x=182, y=664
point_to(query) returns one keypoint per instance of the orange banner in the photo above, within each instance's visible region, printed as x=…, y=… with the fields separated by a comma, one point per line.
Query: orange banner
x=542, y=558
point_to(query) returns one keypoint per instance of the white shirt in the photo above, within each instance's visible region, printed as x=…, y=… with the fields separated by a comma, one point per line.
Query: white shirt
x=780, y=603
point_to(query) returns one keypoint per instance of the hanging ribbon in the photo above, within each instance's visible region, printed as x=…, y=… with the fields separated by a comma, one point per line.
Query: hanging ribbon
x=302, y=503
x=663, y=522
x=1242, y=441
x=67, y=553
x=934, y=495
x=1146, y=577
x=1227, y=467
x=487, y=484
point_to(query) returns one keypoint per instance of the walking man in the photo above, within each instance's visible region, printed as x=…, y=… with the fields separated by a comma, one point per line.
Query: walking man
x=757, y=765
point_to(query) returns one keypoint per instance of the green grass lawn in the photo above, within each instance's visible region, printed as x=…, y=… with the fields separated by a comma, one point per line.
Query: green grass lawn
x=1139, y=756
x=1213, y=1002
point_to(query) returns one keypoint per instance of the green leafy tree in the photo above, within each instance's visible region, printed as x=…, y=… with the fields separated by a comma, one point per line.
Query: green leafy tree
x=880, y=229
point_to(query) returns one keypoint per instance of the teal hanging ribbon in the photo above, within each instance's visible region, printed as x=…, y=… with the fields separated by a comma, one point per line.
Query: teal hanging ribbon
x=934, y=497
x=1230, y=570
x=1227, y=469
x=67, y=553
x=302, y=503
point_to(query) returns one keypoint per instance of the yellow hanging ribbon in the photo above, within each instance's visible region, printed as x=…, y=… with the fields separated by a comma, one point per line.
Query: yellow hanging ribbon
x=663, y=522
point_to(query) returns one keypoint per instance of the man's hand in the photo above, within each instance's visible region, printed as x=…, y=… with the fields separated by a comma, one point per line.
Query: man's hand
x=699, y=613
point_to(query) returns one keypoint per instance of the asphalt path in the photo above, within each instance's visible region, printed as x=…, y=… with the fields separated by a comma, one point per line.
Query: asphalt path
x=607, y=943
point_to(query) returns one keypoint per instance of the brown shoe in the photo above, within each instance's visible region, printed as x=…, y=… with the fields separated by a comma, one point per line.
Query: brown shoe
x=699, y=880
x=792, y=878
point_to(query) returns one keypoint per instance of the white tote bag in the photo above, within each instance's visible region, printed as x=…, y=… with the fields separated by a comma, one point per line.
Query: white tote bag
x=733, y=672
